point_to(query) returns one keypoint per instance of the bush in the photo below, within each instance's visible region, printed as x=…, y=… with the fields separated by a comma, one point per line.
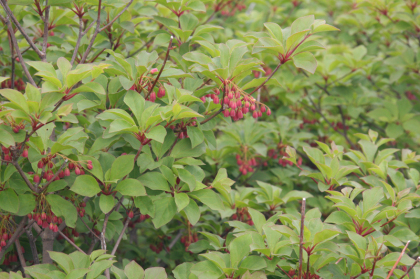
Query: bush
x=209, y=139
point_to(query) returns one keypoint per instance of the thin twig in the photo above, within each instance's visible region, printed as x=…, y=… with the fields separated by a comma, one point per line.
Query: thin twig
x=45, y=39
x=92, y=40
x=141, y=48
x=79, y=39
x=23, y=175
x=21, y=258
x=285, y=272
x=92, y=232
x=32, y=245
x=411, y=267
x=112, y=21
x=114, y=250
x=71, y=242
x=16, y=22
x=163, y=66
x=267, y=79
x=57, y=173
x=398, y=260
x=18, y=53
x=302, y=228
x=15, y=236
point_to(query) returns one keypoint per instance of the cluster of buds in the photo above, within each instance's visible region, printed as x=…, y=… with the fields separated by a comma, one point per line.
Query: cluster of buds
x=17, y=127
x=142, y=218
x=161, y=93
x=242, y=215
x=323, y=139
x=46, y=219
x=188, y=239
x=266, y=69
x=237, y=104
x=7, y=155
x=214, y=96
x=6, y=230
x=305, y=275
x=3, y=239
x=11, y=258
x=339, y=126
x=181, y=127
x=18, y=84
x=279, y=153
x=158, y=248
x=410, y=95
x=307, y=121
x=81, y=208
x=246, y=164
x=230, y=8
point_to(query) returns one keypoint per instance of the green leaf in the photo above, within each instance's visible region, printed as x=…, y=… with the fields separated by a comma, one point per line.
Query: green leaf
x=64, y=208
x=157, y=133
x=6, y=138
x=325, y=235
x=181, y=200
x=106, y=203
x=301, y=24
x=154, y=181
x=134, y=271
x=165, y=210
x=184, y=149
x=155, y=273
x=209, y=198
x=16, y=98
x=196, y=135
x=239, y=248
x=188, y=178
x=258, y=219
x=131, y=187
x=27, y=204
x=9, y=201
x=193, y=212
x=63, y=260
x=306, y=61
x=275, y=31
x=121, y=167
x=85, y=185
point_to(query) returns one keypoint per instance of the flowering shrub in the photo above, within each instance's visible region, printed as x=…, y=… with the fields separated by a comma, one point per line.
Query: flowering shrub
x=209, y=139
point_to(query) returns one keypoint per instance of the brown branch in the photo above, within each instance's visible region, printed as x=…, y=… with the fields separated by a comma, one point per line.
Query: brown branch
x=71, y=242
x=45, y=38
x=16, y=47
x=302, y=228
x=57, y=173
x=16, y=22
x=163, y=66
x=32, y=245
x=285, y=272
x=79, y=39
x=411, y=267
x=21, y=258
x=374, y=261
x=140, y=49
x=14, y=237
x=112, y=21
x=220, y=110
x=398, y=260
x=114, y=250
x=267, y=79
x=92, y=232
x=92, y=40
x=23, y=175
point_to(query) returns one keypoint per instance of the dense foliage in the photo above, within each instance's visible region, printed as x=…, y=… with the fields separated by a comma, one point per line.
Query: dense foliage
x=207, y=139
